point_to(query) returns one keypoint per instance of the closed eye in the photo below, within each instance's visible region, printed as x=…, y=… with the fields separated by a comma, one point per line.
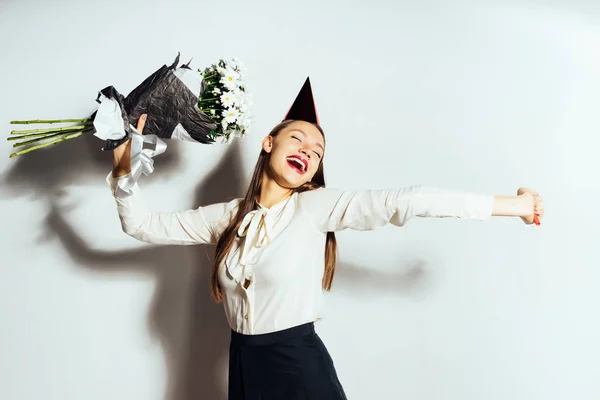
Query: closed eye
x=298, y=139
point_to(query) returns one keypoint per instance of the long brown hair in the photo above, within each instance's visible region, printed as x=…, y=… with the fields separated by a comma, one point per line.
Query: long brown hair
x=248, y=204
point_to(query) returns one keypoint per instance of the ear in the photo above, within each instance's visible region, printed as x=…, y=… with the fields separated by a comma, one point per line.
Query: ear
x=267, y=144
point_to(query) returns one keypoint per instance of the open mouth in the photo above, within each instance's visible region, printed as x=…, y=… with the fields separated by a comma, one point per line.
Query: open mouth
x=298, y=164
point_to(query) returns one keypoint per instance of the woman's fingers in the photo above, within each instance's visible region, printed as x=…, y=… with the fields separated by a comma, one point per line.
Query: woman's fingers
x=141, y=122
x=538, y=208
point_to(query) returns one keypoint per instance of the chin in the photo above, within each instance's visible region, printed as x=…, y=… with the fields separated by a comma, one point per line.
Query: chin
x=291, y=184
x=289, y=179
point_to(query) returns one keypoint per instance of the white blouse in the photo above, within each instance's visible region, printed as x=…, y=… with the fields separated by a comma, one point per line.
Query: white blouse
x=281, y=250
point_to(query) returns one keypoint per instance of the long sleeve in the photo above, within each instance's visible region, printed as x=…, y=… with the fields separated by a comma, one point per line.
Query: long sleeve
x=195, y=226
x=334, y=209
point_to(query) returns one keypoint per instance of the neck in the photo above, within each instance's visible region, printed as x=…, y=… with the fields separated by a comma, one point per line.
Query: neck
x=271, y=192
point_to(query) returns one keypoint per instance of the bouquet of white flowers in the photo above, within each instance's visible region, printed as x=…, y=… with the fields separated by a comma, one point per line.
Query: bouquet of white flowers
x=182, y=104
x=225, y=99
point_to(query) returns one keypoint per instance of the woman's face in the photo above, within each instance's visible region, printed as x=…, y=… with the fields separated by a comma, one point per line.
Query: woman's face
x=296, y=153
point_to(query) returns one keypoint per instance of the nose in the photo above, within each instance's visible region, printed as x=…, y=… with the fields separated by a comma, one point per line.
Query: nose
x=305, y=153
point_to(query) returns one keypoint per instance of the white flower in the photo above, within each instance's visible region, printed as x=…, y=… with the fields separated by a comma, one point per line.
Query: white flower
x=238, y=97
x=246, y=98
x=231, y=79
x=243, y=106
x=234, y=62
x=230, y=115
x=241, y=94
x=245, y=122
x=228, y=99
x=216, y=91
x=238, y=66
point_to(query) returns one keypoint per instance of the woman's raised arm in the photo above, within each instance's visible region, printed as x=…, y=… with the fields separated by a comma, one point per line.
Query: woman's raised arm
x=195, y=226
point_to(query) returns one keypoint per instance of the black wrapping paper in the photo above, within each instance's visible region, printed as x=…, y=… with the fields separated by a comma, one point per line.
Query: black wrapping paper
x=167, y=101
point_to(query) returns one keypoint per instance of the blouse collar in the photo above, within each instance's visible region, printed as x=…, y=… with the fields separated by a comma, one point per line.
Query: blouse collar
x=258, y=228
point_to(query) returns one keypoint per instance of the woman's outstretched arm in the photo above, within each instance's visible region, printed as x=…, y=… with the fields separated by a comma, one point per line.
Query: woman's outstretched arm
x=335, y=209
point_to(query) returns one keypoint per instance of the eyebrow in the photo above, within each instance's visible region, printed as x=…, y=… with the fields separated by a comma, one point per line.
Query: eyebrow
x=304, y=133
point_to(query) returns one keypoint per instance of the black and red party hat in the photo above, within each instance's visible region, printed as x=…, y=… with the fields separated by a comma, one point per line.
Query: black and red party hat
x=304, y=108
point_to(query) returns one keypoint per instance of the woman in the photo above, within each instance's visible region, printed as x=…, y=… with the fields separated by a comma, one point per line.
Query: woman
x=276, y=251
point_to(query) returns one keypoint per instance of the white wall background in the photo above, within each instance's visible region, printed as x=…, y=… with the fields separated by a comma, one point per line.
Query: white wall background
x=484, y=96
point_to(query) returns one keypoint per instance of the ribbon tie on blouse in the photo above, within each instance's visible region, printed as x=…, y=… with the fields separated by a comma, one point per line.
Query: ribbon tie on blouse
x=258, y=228
x=254, y=228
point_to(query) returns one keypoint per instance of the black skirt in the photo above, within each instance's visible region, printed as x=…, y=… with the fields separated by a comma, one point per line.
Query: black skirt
x=291, y=364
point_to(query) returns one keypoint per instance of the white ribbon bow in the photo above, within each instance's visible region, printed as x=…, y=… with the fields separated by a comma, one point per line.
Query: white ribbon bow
x=141, y=160
x=254, y=228
x=108, y=124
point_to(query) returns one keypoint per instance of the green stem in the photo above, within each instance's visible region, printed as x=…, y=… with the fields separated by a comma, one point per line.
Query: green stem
x=43, y=138
x=49, y=121
x=62, y=139
x=29, y=135
x=47, y=130
x=216, y=110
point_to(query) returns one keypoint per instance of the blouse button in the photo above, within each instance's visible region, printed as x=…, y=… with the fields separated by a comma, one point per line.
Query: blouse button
x=246, y=316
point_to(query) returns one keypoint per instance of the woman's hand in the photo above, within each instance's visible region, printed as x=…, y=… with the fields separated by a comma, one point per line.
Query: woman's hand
x=534, y=203
x=122, y=154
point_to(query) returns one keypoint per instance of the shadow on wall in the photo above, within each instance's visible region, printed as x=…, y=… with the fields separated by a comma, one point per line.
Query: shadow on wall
x=44, y=172
x=191, y=328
